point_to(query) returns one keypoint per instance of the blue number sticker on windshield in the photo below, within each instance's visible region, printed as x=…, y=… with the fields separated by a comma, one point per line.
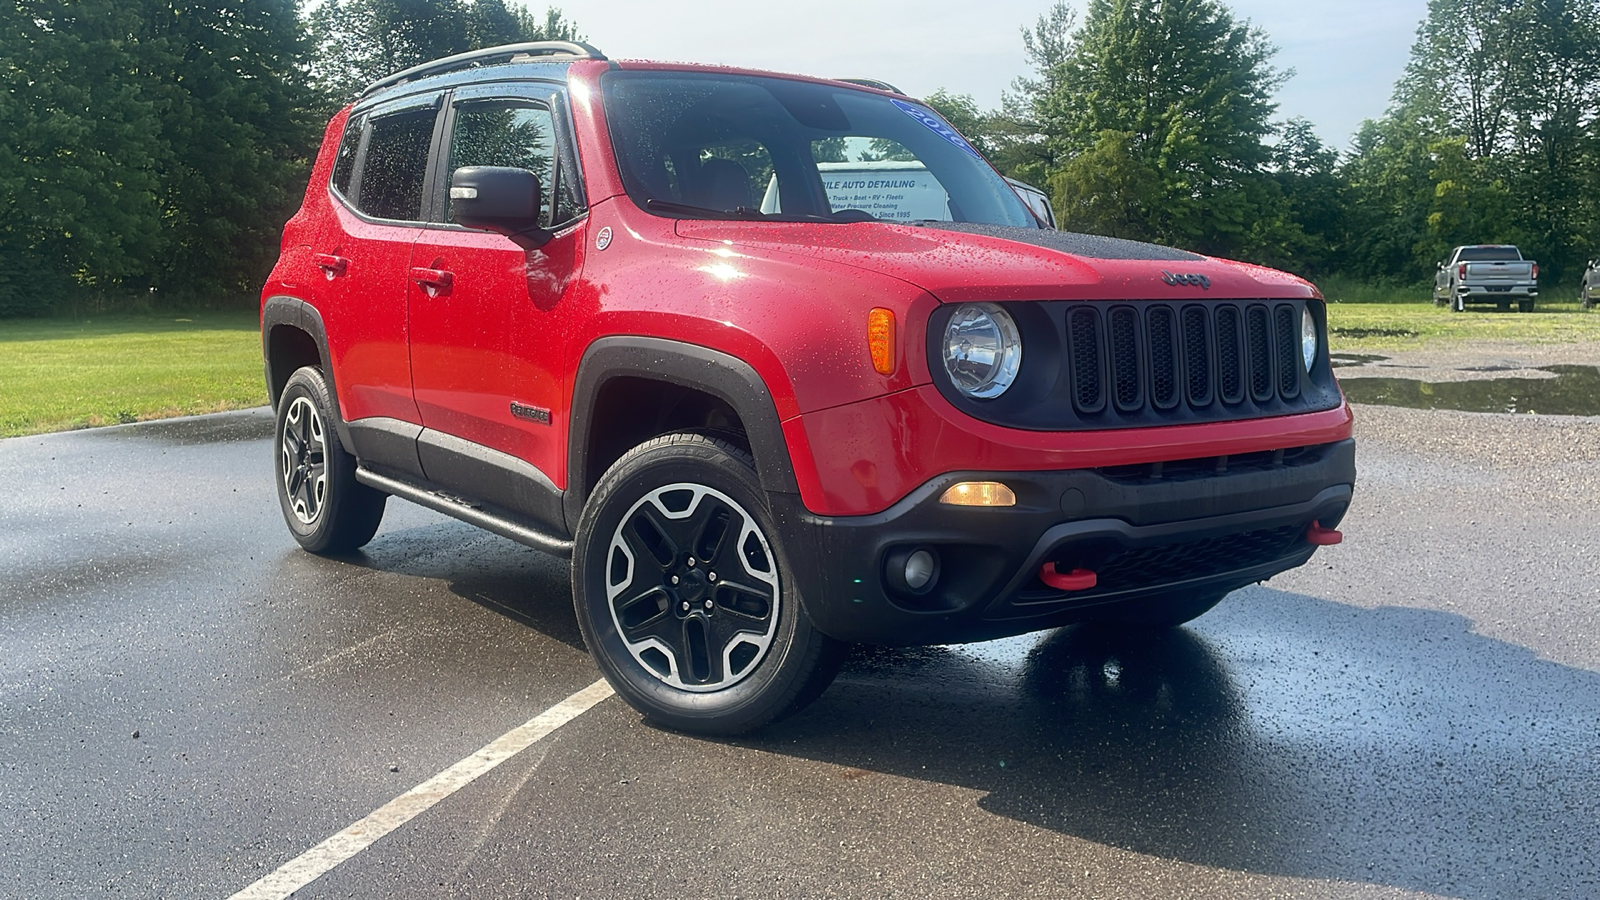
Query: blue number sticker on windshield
x=935, y=125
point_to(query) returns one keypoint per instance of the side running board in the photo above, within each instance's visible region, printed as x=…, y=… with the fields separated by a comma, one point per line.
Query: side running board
x=472, y=515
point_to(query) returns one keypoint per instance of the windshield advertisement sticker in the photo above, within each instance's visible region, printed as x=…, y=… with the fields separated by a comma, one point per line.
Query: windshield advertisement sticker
x=934, y=125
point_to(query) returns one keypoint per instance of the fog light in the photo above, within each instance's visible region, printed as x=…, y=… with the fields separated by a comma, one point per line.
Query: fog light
x=920, y=569
x=979, y=493
x=912, y=571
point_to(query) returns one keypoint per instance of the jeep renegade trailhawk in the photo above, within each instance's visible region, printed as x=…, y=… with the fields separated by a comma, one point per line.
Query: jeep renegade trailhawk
x=549, y=294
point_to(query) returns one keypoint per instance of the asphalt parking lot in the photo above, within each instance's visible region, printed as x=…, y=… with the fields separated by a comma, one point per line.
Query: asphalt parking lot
x=188, y=703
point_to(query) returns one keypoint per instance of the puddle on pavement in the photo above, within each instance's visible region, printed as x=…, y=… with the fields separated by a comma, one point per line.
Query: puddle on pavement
x=1354, y=359
x=1574, y=391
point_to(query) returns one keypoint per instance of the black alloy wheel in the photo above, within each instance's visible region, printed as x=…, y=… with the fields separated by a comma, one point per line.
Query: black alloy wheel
x=682, y=594
x=326, y=509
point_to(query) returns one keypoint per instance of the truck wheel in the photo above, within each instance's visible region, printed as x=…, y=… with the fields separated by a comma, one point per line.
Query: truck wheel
x=1525, y=306
x=1154, y=613
x=327, y=510
x=683, y=593
x=1588, y=301
x=1459, y=304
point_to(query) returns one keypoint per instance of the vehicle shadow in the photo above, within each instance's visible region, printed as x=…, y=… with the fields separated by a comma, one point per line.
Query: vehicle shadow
x=531, y=588
x=1282, y=735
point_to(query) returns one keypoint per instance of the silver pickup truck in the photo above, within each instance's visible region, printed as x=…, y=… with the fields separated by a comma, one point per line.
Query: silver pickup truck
x=1589, y=288
x=1487, y=273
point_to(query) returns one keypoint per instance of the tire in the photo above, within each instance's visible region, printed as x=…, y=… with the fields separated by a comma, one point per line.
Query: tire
x=1588, y=301
x=326, y=509
x=1525, y=306
x=688, y=648
x=1459, y=304
x=1156, y=613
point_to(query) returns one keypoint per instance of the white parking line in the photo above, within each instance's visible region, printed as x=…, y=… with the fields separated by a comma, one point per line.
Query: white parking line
x=314, y=863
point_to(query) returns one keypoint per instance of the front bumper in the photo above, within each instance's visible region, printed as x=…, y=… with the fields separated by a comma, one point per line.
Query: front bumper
x=1198, y=525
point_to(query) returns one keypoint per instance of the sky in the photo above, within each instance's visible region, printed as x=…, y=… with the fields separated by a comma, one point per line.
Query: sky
x=1346, y=55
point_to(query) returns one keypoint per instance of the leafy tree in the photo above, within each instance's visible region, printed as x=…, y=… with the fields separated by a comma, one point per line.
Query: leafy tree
x=1491, y=131
x=80, y=155
x=1108, y=190
x=1185, y=91
x=1018, y=132
x=1307, y=175
x=361, y=41
x=150, y=145
x=230, y=79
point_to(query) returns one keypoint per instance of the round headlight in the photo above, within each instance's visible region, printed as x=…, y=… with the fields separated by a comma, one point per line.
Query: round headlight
x=1308, y=338
x=982, y=350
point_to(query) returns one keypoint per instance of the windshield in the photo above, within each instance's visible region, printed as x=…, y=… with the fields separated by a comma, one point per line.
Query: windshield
x=734, y=146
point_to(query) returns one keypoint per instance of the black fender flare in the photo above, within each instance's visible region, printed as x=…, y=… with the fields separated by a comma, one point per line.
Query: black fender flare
x=292, y=312
x=719, y=374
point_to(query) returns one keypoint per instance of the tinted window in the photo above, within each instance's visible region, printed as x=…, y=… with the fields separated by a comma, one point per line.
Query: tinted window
x=344, y=165
x=395, y=166
x=1489, y=254
x=512, y=133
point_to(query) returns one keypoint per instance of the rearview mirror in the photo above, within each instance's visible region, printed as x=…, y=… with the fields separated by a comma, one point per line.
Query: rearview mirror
x=500, y=199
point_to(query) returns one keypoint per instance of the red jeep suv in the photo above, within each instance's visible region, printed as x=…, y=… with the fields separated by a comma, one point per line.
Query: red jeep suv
x=783, y=364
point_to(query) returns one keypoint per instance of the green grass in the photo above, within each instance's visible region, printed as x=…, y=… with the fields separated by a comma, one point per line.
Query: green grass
x=1355, y=327
x=58, y=374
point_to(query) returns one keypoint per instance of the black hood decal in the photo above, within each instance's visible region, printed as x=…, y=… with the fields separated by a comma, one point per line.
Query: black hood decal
x=1091, y=245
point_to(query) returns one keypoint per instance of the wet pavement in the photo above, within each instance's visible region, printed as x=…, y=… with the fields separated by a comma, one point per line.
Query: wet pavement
x=1498, y=387
x=1414, y=713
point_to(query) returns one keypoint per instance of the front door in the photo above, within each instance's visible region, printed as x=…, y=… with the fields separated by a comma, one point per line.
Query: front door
x=488, y=318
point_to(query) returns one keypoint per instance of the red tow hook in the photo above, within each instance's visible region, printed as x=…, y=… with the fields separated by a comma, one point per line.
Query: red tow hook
x=1323, y=537
x=1076, y=580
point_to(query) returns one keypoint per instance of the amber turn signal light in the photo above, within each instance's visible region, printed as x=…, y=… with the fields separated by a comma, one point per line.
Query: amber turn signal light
x=880, y=338
x=979, y=493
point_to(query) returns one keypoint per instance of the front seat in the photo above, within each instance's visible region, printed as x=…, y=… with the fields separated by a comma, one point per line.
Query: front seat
x=723, y=184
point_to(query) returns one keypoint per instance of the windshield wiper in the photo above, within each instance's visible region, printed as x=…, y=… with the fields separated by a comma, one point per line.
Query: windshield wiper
x=669, y=206
x=749, y=213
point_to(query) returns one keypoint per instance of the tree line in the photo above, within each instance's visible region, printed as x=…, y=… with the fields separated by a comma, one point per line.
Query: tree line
x=155, y=147
x=1153, y=119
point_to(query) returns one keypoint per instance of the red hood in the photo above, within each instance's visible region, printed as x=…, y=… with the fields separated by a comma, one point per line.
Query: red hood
x=1002, y=263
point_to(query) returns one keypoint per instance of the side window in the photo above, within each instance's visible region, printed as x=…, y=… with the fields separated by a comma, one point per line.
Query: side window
x=344, y=165
x=396, y=165
x=515, y=133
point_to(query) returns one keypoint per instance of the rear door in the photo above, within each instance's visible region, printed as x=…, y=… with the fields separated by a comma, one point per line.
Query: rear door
x=489, y=319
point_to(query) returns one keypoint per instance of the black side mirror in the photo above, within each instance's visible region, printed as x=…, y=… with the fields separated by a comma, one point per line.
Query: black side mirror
x=500, y=199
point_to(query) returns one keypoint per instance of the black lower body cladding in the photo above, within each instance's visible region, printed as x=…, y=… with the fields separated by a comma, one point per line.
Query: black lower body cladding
x=1151, y=531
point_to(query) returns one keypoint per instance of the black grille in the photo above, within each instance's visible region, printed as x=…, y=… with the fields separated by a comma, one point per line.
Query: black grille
x=1197, y=355
x=1260, y=353
x=1129, y=386
x=1230, y=374
x=1288, y=352
x=1120, y=569
x=1083, y=333
x=1163, y=357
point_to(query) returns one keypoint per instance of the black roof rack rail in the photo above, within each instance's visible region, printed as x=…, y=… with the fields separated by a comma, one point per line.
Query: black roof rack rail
x=873, y=83
x=486, y=56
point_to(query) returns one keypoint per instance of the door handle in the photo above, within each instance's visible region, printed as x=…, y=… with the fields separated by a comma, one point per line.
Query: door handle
x=331, y=266
x=433, y=281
